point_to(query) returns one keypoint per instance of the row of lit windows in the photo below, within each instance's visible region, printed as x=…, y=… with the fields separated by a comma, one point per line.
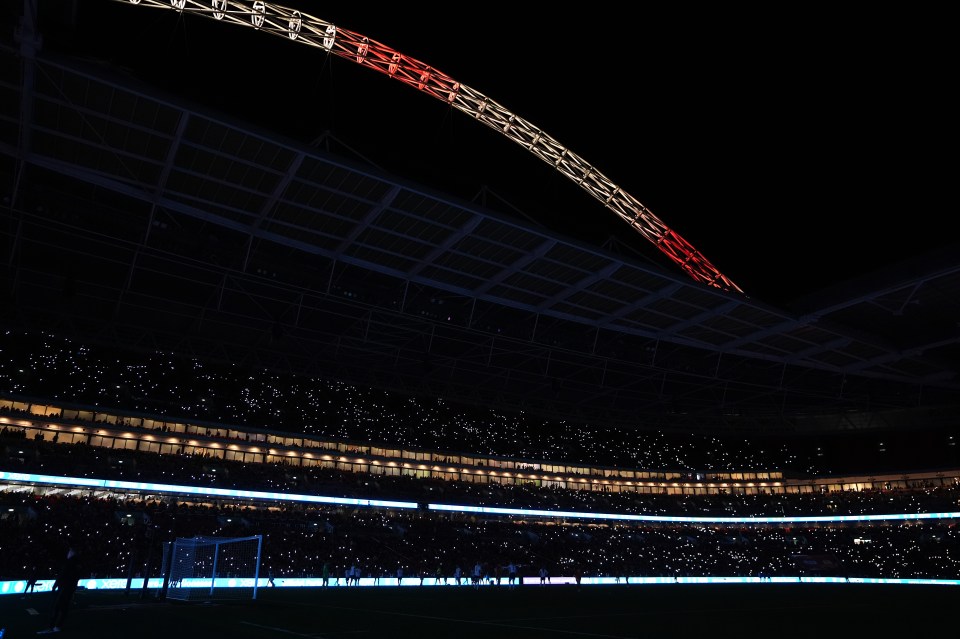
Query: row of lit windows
x=258, y=439
x=264, y=447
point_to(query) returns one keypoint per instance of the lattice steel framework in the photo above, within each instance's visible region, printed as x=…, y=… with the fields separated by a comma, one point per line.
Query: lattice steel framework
x=350, y=45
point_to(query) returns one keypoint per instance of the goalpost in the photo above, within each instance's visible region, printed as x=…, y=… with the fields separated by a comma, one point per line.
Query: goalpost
x=208, y=568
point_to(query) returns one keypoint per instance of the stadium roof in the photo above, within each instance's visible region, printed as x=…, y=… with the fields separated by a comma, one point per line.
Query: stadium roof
x=135, y=217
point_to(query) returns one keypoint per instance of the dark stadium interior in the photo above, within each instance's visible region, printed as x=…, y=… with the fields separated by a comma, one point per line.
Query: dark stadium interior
x=164, y=224
x=294, y=246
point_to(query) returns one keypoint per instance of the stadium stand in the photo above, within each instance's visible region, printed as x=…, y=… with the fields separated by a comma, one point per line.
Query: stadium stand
x=122, y=529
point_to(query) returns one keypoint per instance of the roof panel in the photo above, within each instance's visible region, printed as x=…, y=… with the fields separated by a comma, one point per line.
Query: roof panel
x=459, y=278
x=431, y=208
x=474, y=269
x=511, y=235
x=485, y=249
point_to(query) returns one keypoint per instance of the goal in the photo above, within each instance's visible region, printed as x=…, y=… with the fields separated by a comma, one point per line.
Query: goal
x=212, y=568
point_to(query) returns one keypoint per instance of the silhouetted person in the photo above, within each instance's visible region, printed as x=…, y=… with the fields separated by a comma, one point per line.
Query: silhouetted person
x=31, y=581
x=64, y=588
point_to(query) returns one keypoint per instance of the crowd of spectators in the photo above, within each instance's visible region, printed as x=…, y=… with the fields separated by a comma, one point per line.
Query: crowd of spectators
x=120, y=533
x=45, y=366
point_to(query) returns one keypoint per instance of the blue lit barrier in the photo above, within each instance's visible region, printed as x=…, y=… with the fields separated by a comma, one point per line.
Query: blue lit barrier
x=524, y=512
x=45, y=586
x=109, y=484
x=106, y=484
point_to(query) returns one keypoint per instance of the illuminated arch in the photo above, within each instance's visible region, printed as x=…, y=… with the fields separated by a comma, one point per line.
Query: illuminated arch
x=349, y=45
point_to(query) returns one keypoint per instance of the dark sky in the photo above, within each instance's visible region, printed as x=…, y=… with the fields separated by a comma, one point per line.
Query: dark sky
x=794, y=150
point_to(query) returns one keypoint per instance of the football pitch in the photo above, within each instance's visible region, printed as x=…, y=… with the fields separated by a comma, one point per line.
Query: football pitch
x=531, y=612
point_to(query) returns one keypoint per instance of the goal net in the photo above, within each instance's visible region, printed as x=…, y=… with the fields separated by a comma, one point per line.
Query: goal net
x=212, y=568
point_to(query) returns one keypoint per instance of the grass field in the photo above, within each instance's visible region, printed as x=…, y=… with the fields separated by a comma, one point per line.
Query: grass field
x=531, y=612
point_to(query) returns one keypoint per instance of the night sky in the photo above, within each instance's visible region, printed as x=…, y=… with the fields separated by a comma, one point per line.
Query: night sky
x=794, y=150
